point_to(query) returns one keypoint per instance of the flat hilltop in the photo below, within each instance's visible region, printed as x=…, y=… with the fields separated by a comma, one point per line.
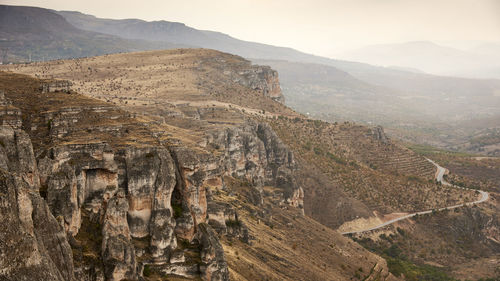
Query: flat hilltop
x=174, y=76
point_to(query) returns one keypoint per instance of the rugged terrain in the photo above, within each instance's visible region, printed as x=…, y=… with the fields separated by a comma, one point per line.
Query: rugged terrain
x=186, y=164
x=174, y=190
x=364, y=164
x=169, y=85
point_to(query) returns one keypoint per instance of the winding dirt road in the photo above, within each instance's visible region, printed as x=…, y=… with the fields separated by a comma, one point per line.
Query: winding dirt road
x=439, y=177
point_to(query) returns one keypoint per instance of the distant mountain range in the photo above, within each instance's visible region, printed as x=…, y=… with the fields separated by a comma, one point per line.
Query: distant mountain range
x=40, y=34
x=480, y=62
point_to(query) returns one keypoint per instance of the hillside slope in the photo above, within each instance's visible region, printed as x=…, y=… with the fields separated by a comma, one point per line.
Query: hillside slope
x=465, y=241
x=413, y=106
x=447, y=112
x=182, y=34
x=164, y=34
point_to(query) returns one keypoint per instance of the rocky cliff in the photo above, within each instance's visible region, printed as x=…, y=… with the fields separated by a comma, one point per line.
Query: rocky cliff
x=33, y=246
x=130, y=203
x=263, y=79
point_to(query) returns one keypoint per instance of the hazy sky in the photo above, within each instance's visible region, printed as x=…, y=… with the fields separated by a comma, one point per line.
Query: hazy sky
x=322, y=27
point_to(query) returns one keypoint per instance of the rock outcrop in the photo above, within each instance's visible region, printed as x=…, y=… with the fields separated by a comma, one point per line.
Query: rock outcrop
x=263, y=79
x=56, y=86
x=33, y=246
x=260, y=78
x=10, y=115
x=253, y=152
x=213, y=263
x=94, y=179
x=134, y=190
x=379, y=134
x=117, y=249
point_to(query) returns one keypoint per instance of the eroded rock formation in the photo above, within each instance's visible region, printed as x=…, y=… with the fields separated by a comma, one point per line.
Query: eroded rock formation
x=130, y=194
x=33, y=246
x=263, y=79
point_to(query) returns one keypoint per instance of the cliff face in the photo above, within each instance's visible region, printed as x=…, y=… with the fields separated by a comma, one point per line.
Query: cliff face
x=263, y=79
x=131, y=191
x=33, y=246
x=255, y=153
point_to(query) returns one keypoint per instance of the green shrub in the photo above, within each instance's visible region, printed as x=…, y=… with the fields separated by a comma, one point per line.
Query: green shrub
x=233, y=223
x=335, y=158
x=401, y=231
x=177, y=209
x=412, y=272
x=317, y=123
x=307, y=146
x=414, y=178
x=147, y=271
x=393, y=251
x=318, y=151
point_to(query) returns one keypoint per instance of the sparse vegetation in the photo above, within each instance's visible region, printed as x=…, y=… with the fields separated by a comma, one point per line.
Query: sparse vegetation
x=346, y=156
x=177, y=209
x=147, y=270
x=233, y=223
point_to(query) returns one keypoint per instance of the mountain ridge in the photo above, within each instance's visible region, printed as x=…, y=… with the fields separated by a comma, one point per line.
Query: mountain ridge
x=31, y=33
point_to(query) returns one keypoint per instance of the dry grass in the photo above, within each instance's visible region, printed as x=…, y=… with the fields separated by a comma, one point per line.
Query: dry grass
x=156, y=78
x=290, y=246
